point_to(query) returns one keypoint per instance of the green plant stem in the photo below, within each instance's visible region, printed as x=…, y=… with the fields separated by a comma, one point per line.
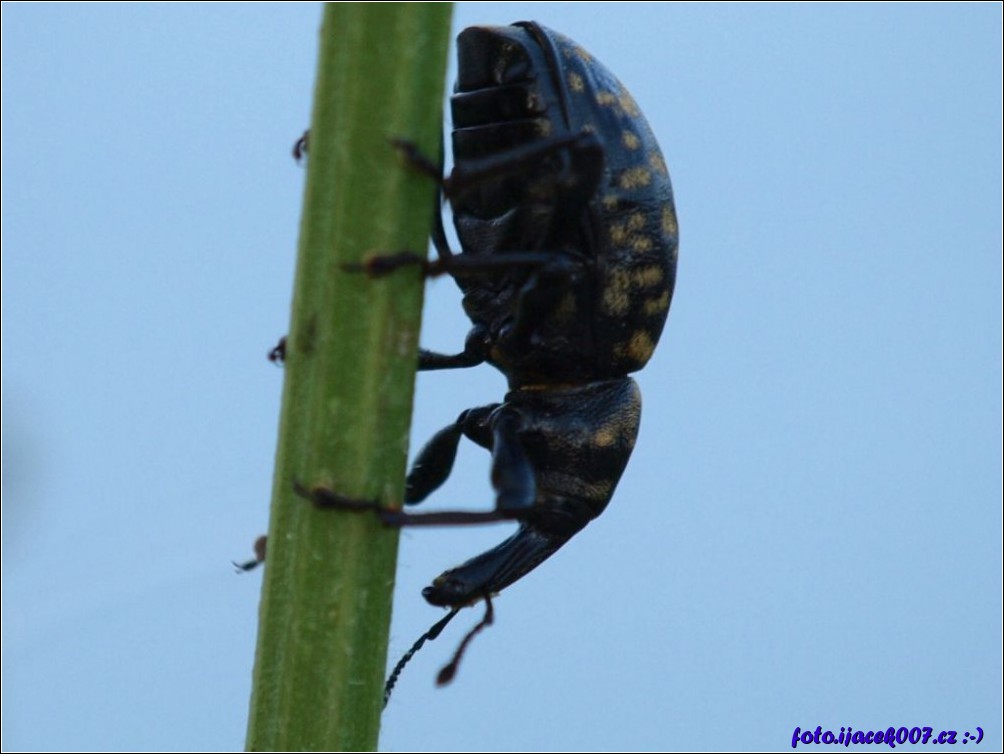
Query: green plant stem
x=350, y=364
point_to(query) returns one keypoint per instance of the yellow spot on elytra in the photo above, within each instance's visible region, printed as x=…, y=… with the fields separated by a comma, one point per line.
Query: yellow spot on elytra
x=604, y=438
x=657, y=162
x=630, y=140
x=640, y=347
x=628, y=104
x=641, y=244
x=606, y=98
x=631, y=234
x=635, y=177
x=657, y=305
x=648, y=277
x=575, y=82
x=610, y=202
x=617, y=293
x=669, y=226
x=593, y=490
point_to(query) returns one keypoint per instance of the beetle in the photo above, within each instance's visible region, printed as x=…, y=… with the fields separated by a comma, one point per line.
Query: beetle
x=564, y=211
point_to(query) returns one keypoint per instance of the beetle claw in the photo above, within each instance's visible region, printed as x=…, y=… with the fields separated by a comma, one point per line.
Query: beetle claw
x=417, y=159
x=379, y=265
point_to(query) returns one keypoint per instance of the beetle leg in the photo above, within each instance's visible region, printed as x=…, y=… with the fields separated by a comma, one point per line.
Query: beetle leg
x=512, y=473
x=554, y=274
x=418, y=160
x=447, y=673
x=435, y=461
x=582, y=157
x=421, y=162
x=475, y=352
x=430, y=360
x=494, y=427
x=513, y=476
x=540, y=297
x=381, y=264
x=430, y=469
x=322, y=497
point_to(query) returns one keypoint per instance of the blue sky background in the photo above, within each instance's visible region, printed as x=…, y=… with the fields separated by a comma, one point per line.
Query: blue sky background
x=809, y=532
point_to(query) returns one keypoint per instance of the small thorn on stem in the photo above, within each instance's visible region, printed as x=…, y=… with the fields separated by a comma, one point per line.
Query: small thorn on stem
x=260, y=545
x=301, y=146
x=383, y=264
x=278, y=354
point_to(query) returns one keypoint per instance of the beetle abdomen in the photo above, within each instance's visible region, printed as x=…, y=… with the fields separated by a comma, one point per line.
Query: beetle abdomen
x=569, y=166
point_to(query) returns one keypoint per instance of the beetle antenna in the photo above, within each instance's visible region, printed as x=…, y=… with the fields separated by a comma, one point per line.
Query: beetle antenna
x=447, y=673
x=432, y=633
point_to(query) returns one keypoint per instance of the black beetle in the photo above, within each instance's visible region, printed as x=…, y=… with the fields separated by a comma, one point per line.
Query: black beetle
x=564, y=211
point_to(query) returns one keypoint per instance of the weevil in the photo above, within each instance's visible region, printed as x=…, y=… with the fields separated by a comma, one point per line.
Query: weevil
x=564, y=211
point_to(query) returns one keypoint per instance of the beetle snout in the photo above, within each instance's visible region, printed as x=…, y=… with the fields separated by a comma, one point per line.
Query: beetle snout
x=450, y=591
